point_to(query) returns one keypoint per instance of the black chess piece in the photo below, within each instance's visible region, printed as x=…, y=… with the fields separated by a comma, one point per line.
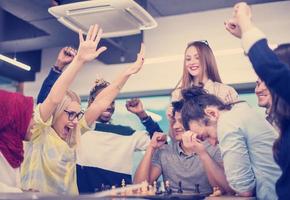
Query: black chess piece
x=158, y=191
x=179, y=187
x=107, y=187
x=196, y=189
x=168, y=190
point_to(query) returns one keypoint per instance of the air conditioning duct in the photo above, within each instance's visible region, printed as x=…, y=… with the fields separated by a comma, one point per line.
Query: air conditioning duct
x=116, y=17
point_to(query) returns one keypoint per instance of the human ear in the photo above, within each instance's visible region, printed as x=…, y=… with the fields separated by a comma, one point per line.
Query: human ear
x=211, y=113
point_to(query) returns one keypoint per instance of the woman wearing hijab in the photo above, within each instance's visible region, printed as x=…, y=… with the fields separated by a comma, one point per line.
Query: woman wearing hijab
x=15, y=115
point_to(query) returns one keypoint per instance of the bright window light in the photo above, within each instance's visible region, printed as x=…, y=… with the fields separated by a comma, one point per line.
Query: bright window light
x=15, y=62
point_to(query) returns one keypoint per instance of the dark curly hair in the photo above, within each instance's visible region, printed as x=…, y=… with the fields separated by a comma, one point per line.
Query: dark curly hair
x=195, y=100
x=100, y=84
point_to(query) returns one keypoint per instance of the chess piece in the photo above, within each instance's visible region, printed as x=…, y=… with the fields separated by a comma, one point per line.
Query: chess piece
x=123, y=184
x=196, y=189
x=216, y=192
x=179, y=187
x=154, y=187
x=103, y=188
x=144, y=187
x=158, y=190
x=168, y=190
x=113, y=192
x=107, y=187
x=151, y=190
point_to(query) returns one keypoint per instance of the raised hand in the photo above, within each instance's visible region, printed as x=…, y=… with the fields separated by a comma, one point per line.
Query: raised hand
x=135, y=106
x=88, y=47
x=137, y=65
x=232, y=26
x=242, y=11
x=191, y=144
x=65, y=56
x=158, y=140
x=240, y=21
x=169, y=113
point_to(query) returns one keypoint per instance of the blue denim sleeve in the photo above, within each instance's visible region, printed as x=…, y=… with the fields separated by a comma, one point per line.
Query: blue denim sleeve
x=151, y=126
x=237, y=164
x=47, y=85
x=273, y=72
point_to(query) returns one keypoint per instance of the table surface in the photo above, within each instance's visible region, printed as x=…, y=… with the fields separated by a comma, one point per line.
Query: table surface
x=28, y=196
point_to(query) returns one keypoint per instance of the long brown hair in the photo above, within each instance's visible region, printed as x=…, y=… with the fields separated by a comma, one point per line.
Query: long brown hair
x=280, y=111
x=207, y=62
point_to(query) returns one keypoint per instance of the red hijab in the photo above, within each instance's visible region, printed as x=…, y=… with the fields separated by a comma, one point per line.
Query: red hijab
x=15, y=115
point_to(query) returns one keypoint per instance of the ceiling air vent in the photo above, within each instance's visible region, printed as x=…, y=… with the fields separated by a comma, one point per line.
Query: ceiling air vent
x=116, y=17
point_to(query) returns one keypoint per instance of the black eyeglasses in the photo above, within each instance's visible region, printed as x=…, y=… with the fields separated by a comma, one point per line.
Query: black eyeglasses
x=72, y=114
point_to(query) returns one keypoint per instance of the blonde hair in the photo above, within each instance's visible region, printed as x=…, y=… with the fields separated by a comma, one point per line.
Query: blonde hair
x=207, y=62
x=69, y=97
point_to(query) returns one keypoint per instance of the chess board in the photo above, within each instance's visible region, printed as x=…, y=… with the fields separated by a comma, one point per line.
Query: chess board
x=145, y=191
x=181, y=196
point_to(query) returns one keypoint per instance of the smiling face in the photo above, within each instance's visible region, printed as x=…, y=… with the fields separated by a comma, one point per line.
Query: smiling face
x=204, y=132
x=63, y=126
x=263, y=94
x=107, y=114
x=192, y=63
x=177, y=126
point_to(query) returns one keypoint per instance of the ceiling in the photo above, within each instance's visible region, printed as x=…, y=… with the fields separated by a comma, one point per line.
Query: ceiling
x=37, y=29
x=27, y=26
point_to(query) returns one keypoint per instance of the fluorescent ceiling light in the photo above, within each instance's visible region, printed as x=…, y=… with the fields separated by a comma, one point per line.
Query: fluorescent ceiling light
x=15, y=62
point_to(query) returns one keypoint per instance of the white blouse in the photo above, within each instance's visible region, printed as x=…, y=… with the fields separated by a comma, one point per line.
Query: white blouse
x=9, y=176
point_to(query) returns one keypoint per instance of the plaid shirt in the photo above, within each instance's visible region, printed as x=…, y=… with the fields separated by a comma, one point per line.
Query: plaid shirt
x=50, y=163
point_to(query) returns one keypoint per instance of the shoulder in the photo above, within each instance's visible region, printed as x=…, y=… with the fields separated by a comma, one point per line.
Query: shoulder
x=211, y=149
x=225, y=92
x=166, y=149
x=229, y=122
x=176, y=94
x=37, y=118
x=224, y=87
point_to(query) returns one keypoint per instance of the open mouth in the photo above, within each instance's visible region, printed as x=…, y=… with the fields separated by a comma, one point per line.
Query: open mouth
x=193, y=67
x=261, y=96
x=67, y=131
x=107, y=114
x=178, y=133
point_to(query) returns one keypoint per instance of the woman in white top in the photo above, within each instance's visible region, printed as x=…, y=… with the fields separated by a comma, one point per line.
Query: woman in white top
x=200, y=68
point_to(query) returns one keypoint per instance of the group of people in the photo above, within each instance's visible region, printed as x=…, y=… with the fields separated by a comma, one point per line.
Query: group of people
x=216, y=139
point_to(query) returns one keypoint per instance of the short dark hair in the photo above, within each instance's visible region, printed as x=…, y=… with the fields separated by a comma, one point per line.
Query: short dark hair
x=177, y=106
x=195, y=100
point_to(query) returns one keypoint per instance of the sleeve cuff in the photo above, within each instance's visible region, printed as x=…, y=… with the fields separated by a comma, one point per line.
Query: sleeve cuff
x=250, y=37
x=146, y=119
x=56, y=69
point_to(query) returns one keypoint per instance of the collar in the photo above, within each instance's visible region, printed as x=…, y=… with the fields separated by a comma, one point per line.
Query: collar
x=181, y=152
